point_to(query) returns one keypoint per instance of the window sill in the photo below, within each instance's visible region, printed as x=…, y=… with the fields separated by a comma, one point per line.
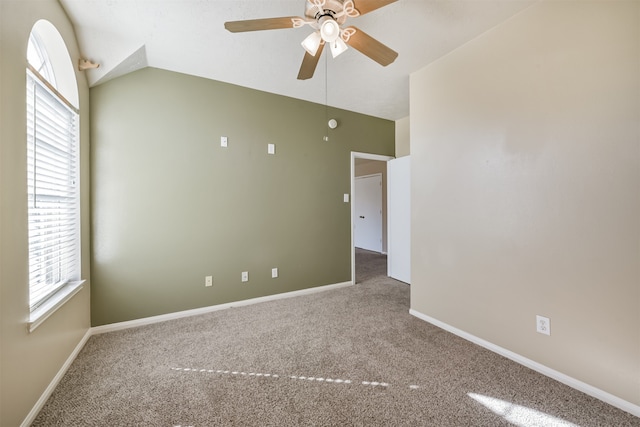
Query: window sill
x=42, y=313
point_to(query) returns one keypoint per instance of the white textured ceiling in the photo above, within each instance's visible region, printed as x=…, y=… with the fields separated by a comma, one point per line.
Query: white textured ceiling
x=188, y=36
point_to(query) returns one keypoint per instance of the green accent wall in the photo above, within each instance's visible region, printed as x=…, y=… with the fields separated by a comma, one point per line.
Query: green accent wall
x=171, y=206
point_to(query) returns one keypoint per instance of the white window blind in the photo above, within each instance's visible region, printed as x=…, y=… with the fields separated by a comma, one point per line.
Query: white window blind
x=53, y=192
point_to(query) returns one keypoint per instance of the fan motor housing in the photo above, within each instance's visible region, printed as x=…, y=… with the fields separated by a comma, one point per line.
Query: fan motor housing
x=332, y=8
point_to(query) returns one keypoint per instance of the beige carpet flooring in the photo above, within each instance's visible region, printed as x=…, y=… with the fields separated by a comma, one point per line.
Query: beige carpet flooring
x=347, y=357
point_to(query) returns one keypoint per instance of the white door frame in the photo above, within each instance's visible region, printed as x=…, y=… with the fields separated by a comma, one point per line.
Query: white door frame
x=357, y=155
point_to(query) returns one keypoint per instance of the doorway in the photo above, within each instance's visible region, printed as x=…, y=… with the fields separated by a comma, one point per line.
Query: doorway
x=363, y=165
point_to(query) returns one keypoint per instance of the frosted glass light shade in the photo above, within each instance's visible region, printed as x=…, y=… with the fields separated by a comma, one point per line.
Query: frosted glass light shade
x=329, y=29
x=337, y=47
x=312, y=43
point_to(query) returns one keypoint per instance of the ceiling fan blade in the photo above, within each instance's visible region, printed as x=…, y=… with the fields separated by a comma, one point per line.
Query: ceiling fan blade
x=261, y=24
x=366, y=6
x=371, y=47
x=309, y=64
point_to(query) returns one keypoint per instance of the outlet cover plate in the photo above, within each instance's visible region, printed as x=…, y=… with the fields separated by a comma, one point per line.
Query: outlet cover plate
x=208, y=281
x=245, y=276
x=543, y=325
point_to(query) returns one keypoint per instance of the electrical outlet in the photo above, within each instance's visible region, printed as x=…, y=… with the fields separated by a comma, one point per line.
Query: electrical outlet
x=208, y=281
x=274, y=273
x=223, y=141
x=245, y=276
x=543, y=325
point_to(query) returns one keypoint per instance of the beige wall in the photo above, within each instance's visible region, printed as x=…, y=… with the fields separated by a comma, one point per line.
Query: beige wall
x=403, y=147
x=365, y=167
x=28, y=362
x=526, y=189
x=170, y=206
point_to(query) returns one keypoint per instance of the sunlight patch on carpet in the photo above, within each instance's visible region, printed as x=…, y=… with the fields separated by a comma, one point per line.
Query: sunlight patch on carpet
x=519, y=415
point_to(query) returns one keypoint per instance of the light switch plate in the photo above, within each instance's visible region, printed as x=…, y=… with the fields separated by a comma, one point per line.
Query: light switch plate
x=274, y=273
x=346, y=198
x=223, y=141
x=245, y=276
x=271, y=149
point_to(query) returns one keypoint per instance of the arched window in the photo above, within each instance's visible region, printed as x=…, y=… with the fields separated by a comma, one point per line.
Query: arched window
x=52, y=174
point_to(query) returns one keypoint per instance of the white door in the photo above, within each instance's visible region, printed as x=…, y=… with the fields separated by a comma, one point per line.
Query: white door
x=367, y=233
x=399, y=219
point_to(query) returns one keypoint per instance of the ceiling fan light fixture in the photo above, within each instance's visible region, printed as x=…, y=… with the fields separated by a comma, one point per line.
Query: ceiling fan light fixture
x=338, y=46
x=312, y=43
x=329, y=29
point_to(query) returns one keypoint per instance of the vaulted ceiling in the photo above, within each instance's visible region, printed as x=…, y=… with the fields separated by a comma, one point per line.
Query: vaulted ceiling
x=188, y=36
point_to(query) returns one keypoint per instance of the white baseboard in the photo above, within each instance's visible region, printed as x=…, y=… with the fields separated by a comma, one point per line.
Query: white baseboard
x=197, y=311
x=54, y=383
x=544, y=370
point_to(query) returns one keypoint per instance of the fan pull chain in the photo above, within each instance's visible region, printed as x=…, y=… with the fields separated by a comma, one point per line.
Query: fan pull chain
x=326, y=96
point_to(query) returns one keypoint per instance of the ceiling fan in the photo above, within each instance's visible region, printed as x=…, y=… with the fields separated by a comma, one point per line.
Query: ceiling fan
x=326, y=17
